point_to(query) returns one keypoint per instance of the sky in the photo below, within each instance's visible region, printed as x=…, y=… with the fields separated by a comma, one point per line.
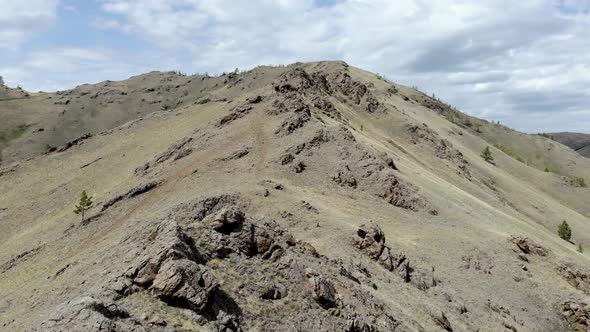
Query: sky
x=524, y=63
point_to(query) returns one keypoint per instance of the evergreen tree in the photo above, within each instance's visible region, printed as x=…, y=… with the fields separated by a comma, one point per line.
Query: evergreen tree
x=84, y=204
x=564, y=231
x=580, y=248
x=487, y=154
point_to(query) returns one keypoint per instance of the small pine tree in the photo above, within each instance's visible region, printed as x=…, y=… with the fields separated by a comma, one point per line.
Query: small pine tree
x=487, y=154
x=580, y=248
x=84, y=204
x=564, y=231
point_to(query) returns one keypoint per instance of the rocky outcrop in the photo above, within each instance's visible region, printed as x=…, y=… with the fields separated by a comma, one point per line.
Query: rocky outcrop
x=176, y=151
x=370, y=238
x=90, y=314
x=234, y=114
x=183, y=283
x=298, y=80
x=324, y=292
x=360, y=325
x=344, y=177
x=575, y=277
x=397, y=193
x=78, y=141
x=442, y=148
x=527, y=246
x=294, y=122
x=139, y=190
x=576, y=311
x=440, y=319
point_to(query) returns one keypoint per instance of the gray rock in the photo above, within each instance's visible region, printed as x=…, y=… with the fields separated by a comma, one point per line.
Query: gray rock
x=184, y=283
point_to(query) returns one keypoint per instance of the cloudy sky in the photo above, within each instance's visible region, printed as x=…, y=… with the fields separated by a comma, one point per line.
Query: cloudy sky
x=523, y=63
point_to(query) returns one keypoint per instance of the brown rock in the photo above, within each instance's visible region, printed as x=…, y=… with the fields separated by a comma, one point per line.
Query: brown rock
x=370, y=238
x=576, y=312
x=297, y=166
x=228, y=220
x=528, y=246
x=323, y=292
x=440, y=318
x=575, y=277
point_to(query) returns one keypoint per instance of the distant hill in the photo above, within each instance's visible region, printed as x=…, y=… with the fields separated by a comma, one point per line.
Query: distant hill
x=577, y=141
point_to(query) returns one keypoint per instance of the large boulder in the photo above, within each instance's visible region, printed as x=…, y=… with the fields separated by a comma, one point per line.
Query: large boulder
x=324, y=292
x=370, y=238
x=184, y=283
x=528, y=246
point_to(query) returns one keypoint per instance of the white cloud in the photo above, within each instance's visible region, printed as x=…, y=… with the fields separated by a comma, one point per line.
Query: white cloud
x=502, y=59
x=19, y=20
x=63, y=68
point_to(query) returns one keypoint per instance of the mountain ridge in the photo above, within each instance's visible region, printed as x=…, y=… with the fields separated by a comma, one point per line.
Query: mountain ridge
x=306, y=154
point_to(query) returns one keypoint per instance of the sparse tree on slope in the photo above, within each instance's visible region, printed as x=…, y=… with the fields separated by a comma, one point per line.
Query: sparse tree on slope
x=487, y=154
x=564, y=231
x=84, y=204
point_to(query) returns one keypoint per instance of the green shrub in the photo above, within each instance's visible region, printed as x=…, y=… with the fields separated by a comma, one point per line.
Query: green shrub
x=84, y=205
x=511, y=153
x=451, y=117
x=48, y=148
x=580, y=248
x=564, y=231
x=487, y=154
x=581, y=182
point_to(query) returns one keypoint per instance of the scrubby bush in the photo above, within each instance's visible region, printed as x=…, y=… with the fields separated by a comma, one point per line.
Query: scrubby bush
x=581, y=182
x=580, y=248
x=487, y=154
x=48, y=148
x=564, y=231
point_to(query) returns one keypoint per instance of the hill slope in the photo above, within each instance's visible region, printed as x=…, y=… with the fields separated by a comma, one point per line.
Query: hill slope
x=578, y=141
x=248, y=210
